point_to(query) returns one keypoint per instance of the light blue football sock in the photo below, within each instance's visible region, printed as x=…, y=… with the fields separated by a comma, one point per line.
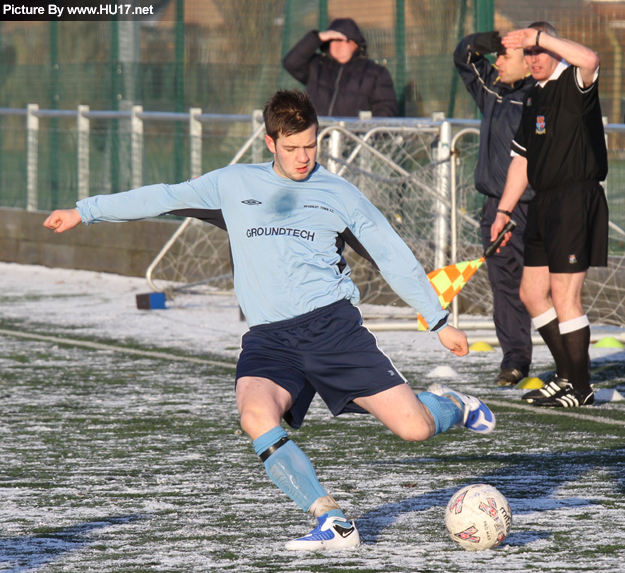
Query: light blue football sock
x=335, y=513
x=290, y=469
x=445, y=413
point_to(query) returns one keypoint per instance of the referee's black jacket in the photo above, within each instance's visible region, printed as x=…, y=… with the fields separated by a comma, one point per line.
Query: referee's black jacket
x=342, y=90
x=501, y=106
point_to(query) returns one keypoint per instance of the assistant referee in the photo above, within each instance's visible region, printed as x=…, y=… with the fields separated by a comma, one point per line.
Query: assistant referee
x=560, y=149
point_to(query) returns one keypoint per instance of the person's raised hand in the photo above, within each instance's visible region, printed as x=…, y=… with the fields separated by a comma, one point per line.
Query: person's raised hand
x=525, y=38
x=330, y=35
x=487, y=43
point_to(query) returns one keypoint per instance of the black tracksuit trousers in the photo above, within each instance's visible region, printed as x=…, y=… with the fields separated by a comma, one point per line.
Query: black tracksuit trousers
x=505, y=270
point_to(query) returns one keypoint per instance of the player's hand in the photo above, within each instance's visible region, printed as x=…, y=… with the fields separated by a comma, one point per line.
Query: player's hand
x=520, y=39
x=330, y=35
x=487, y=43
x=454, y=339
x=501, y=220
x=62, y=220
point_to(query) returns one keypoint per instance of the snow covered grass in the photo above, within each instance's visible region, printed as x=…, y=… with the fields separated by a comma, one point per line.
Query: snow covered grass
x=119, y=462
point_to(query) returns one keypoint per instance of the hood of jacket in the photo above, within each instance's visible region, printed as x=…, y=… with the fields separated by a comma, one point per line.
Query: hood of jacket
x=351, y=30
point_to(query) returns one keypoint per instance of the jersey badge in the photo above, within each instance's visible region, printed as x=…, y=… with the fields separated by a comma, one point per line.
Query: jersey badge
x=529, y=101
x=540, y=125
x=251, y=202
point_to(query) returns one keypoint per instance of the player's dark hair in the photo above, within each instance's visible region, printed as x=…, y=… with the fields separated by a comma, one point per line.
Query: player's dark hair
x=288, y=112
x=545, y=27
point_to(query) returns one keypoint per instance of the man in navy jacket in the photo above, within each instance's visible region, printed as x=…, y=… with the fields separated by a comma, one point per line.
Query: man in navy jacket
x=498, y=91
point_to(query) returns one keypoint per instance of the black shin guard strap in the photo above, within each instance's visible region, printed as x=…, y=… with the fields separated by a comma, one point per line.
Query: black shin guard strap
x=271, y=449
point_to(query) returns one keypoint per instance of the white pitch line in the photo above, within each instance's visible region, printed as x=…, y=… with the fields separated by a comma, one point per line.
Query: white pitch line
x=110, y=347
x=554, y=412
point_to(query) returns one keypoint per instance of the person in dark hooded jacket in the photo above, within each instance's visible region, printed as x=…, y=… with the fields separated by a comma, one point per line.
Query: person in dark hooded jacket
x=339, y=77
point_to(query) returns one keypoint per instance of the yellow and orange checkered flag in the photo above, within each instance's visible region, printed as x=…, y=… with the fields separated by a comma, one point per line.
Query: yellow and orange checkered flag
x=449, y=280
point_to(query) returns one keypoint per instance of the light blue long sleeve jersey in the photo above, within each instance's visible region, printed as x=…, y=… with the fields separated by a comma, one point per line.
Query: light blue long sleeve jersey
x=287, y=237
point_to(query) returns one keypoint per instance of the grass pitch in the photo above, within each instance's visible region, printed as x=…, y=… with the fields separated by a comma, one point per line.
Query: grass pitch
x=118, y=462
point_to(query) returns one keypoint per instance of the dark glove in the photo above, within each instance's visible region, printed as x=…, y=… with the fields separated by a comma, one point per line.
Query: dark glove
x=487, y=43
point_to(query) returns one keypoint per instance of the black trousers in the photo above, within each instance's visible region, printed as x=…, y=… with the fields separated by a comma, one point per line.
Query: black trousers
x=505, y=270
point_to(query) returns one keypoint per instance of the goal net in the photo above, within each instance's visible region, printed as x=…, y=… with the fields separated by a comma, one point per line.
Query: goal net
x=407, y=172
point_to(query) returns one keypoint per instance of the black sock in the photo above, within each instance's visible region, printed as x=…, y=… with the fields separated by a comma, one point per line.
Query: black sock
x=576, y=344
x=553, y=339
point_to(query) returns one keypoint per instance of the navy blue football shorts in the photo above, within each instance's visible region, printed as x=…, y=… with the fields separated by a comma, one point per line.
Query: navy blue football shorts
x=326, y=351
x=567, y=228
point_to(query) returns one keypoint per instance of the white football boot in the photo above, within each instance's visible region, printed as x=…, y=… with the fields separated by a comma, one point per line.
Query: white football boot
x=477, y=415
x=330, y=534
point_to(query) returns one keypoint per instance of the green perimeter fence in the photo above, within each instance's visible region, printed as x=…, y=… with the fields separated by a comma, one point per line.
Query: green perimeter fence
x=51, y=158
x=224, y=56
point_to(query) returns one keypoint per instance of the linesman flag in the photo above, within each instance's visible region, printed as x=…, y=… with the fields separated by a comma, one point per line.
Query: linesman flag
x=449, y=280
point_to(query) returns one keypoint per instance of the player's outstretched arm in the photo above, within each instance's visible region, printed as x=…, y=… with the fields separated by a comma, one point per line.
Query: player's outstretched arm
x=63, y=220
x=454, y=339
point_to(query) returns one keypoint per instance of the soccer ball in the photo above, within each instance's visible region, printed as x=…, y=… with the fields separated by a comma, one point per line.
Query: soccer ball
x=478, y=517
